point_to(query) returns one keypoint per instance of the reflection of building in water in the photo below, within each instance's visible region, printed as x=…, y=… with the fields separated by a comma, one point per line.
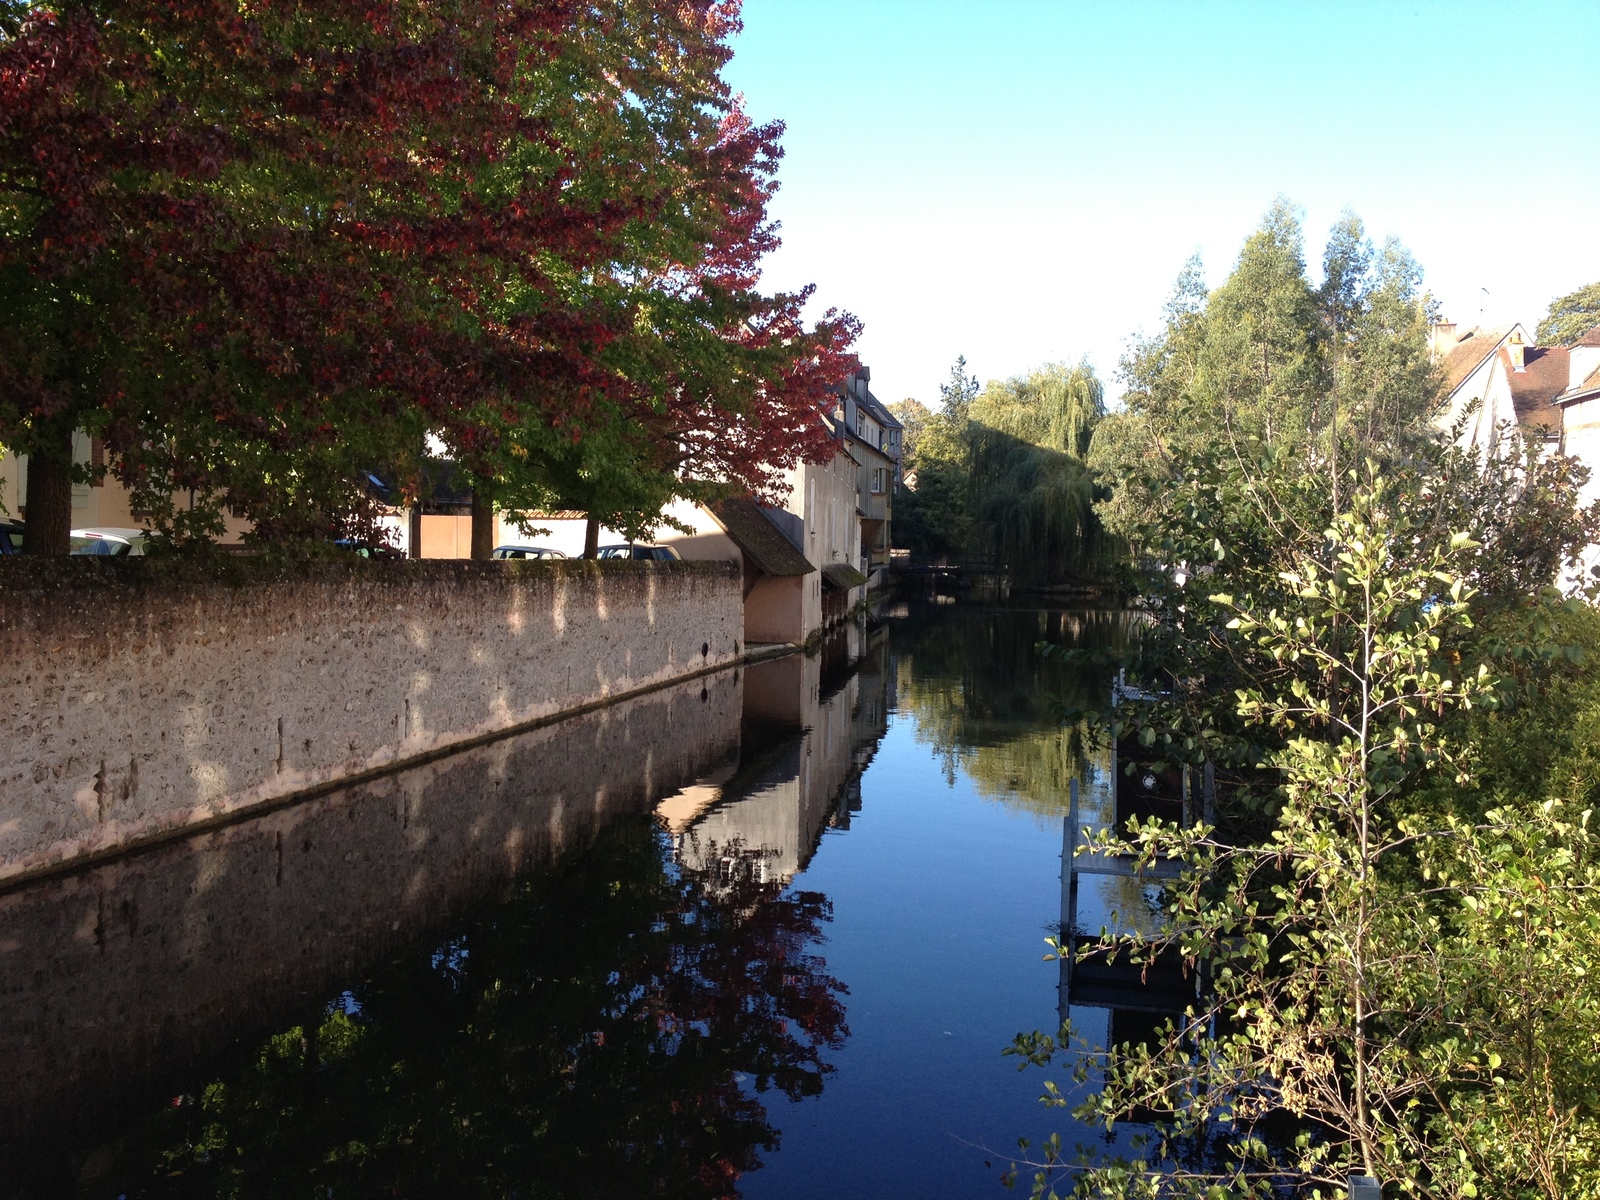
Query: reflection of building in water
x=812, y=723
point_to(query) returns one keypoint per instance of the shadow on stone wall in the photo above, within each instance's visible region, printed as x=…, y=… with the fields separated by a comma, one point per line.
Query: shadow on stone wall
x=117, y=981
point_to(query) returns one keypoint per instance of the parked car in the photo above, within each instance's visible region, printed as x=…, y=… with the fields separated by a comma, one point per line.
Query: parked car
x=109, y=542
x=526, y=552
x=10, y=537
x=370, y=549
x=659, y=553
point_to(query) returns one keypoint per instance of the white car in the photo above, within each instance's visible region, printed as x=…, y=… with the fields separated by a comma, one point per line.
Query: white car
x=526, y=552
x=109, y=541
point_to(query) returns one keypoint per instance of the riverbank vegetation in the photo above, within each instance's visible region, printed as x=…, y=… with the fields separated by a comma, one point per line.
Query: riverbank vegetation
x=268, y=257
x=1381, y=643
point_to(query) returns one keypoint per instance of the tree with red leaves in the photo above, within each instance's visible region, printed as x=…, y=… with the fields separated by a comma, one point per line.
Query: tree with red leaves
x=263, y=250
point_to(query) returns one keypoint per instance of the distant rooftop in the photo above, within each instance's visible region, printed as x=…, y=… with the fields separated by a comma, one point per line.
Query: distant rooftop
x=1468, y=353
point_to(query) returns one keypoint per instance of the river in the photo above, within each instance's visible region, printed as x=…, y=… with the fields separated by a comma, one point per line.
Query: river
x=762, y=935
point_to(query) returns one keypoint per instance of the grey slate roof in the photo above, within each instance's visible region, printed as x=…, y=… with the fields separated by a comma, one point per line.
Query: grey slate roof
x=762, y=542
x=877, y=408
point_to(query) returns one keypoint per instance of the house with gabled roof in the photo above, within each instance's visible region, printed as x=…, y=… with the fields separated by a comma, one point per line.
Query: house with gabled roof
x=1579, y=405
x=807, y=562
x=1497, y=377
x=872, y=437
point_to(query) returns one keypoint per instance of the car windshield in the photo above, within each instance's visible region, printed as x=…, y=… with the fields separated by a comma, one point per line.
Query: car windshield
x=100, y=545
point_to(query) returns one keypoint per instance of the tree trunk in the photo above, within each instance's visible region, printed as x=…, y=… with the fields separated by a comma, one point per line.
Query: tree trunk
x=482, y=526
x=414, y=532
x=591, y=538
x=49, y=501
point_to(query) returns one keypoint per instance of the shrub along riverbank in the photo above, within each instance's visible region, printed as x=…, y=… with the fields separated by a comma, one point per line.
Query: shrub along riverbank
x=1397, y=912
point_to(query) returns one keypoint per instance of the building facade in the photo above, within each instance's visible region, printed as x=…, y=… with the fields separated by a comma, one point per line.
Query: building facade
x=1497, y=380
x=809, y=561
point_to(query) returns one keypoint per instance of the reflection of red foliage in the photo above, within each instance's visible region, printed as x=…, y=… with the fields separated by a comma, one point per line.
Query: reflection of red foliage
x=751, y=980
x=287, y=226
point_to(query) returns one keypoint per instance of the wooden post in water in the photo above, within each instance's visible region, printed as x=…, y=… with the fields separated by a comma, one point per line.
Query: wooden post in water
x=1069, y=900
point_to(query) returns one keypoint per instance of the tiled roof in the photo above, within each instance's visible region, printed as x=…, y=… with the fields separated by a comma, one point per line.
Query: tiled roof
x=1592, y=338
x=1468, y=353
x=762, y=542
x=1535, y=387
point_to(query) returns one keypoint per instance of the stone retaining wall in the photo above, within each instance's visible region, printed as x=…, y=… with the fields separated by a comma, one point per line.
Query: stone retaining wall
x=141, y=698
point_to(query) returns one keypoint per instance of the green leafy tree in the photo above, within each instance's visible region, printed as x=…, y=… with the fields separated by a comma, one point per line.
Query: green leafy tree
x=914, y=415
x=1315, y=994
x=1341, y=369
x=956, y=395
x=1337, y=668
x=931, y=519
x=1570, y=317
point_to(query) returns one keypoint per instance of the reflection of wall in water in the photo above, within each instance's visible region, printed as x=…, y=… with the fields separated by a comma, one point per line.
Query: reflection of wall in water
x=115, y=979
x=812, y=723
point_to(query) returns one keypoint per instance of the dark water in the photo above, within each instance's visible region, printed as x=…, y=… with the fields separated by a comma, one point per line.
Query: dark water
x=764, y=935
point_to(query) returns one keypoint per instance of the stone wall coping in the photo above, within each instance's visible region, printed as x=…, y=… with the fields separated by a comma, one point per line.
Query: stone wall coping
x=22, y=575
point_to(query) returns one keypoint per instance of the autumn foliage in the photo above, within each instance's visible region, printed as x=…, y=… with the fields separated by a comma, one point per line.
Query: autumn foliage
x=263, y=249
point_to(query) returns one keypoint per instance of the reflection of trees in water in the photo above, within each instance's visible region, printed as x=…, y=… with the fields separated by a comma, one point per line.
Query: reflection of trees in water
x=606, y=1031
x=988, y=702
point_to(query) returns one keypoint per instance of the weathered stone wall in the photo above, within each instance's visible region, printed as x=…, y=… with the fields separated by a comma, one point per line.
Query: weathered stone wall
x=143, y=697
x=116, y=980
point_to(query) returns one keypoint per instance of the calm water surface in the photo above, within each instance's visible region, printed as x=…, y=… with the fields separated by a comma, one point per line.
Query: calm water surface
x=765, y=936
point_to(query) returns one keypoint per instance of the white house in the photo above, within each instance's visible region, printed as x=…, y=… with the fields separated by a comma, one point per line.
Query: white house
x=1511, y=381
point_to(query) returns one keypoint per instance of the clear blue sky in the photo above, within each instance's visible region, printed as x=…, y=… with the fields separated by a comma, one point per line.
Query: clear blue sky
x=1020, y=182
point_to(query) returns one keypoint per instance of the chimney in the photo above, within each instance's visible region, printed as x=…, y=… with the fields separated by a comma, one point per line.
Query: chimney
x=1515, y=348
x=1442, y=338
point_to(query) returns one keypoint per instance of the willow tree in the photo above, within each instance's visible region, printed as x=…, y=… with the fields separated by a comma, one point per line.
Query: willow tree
x=1031, y=494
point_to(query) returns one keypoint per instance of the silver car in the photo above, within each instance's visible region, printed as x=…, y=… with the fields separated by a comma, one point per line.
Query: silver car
x=658, y=553
x=526, y=552
x=109, y=542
